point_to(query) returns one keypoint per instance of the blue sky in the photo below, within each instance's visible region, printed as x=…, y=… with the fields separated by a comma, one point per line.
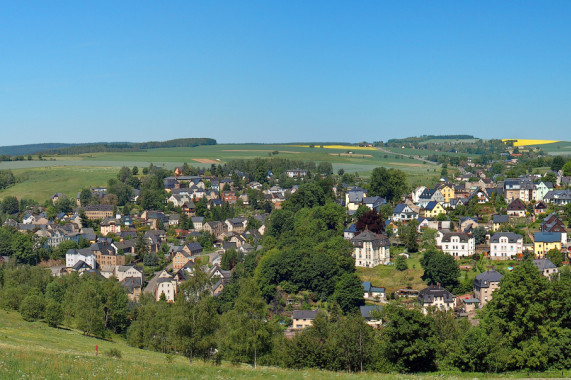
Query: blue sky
x=283, y=71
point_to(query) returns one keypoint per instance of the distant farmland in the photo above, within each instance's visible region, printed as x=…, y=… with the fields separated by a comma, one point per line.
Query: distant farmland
x=68, y=174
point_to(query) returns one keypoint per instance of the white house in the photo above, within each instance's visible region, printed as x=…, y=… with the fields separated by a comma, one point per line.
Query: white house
x=458, y=244
x=404, y=213
x=505, y=246
x=73, y=256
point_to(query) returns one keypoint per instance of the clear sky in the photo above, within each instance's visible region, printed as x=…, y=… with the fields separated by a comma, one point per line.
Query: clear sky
x=283, y=71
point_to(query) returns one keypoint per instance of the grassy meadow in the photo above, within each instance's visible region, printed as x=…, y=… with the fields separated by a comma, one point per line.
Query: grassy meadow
x=41, y=183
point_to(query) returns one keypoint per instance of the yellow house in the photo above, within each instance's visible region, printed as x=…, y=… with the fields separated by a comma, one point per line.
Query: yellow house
x=303, y=318
x=448, y=192
x=543, y=242
x=432, y=210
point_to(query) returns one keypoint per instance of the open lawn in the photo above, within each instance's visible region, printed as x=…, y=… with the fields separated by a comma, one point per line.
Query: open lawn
x=386, y=276
x=41, y=183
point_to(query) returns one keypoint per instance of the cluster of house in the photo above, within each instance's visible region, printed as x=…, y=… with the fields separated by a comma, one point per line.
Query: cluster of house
x=485, y=283
x=456, y=239
x=433, y=297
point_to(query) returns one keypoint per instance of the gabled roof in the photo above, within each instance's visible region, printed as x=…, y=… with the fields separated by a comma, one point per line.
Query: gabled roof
x=484, y=279
x=369, y=236
x=366, y=310
x=512, y=237
x=543, y=264
x=516, y=205
x=547, y=237
x=305, y=314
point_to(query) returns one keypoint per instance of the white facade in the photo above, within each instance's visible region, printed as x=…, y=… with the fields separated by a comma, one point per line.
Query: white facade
x=73, y=258
x=504, y=246
x=458, y=245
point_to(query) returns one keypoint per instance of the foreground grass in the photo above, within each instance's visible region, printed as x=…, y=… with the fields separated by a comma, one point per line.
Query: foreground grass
x=36, y=351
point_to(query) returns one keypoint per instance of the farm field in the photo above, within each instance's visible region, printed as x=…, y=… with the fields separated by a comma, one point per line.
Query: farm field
x=558, y=148
x=38, y=180
x=531, y=142
x=41, y=183
x=424, y=152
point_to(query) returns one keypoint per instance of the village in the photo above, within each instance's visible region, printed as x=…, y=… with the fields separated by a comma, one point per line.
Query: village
x=474, y=219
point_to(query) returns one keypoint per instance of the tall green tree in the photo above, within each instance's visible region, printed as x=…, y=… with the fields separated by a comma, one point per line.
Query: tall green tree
x=247, y=335
x=195, y=318
x=408, y=339
x=349, y=293
x=440, y=268
x=389, y=184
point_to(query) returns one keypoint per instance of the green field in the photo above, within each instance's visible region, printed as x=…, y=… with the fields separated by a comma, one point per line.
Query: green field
x=69, y=174
x=562, y=148
x=41, y=183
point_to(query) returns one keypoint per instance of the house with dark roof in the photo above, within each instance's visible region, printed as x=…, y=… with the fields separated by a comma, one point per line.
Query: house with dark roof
x=553, y=224
x=371, y=314
x=133, y=287
x=374, y=203
x=436, y=297
x=546, y=267
x=506, y=246
x=499, y=221
x=543, y=242
x=485, y=284
x=371, y=292
x=350, y=232
x=303, y=318
x=558, y=197
x=516, y=208
x=403, y=213
x=371, y=249
x=458, y=244
x=539, y=208
x=432, y=210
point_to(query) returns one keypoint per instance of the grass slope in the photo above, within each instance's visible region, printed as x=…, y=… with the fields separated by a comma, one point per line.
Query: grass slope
x=41, y=183
x=34, y=350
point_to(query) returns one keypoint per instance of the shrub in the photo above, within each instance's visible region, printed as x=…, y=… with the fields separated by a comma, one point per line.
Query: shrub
x=114, y=353
x=32, y=307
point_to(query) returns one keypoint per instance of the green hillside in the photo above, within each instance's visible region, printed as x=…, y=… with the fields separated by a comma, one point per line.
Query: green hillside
x=34, y=350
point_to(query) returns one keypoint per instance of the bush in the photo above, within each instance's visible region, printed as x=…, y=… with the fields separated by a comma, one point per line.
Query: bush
x=114, y=353
x=32, y=307
x=53, y=314
x=400, y=263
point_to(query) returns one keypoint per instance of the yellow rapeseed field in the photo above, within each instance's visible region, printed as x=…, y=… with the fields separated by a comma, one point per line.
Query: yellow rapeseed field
x=524, y=142
x=347, y=147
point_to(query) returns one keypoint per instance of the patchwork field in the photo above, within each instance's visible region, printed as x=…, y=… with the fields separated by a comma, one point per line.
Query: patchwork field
x=68, y=174
x=558, y=148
